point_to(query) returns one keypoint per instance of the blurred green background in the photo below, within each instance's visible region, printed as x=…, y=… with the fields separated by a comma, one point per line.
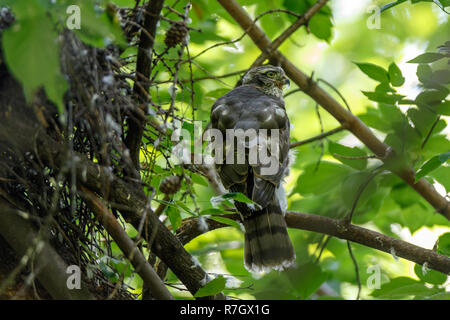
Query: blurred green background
x=342, y=34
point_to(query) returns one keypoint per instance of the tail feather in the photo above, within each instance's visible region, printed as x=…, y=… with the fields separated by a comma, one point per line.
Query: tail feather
x=267, y=243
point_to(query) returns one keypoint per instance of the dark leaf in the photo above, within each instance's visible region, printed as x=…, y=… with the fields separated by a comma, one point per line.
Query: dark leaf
x=429, y=276
x=427, y=57
x=395, y=75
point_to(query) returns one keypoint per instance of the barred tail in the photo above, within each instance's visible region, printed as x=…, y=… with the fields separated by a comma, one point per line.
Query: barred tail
x=267, y=243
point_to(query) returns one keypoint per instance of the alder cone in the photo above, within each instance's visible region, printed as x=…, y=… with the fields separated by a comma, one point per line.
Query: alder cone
x=170, y=185
x=176, y=34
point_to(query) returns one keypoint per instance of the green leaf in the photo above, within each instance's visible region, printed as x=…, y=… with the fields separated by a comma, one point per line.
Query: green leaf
x=430, y=276
x=237, y=196
x=422, y=119
x=211, y=211
x=122, y=267
x=327, y=176
x=209, y=32
x=351, y=186
x=444, y=244
x=424, y=73
x=373, y=71
x=296, y=6
x=384, y=87
x=427, y=57
x=183, y=206
x=440, y=77
x=383, y=97
x=440, y=296
x=431, y=98
x=337, y=149
x=227, y=221
x=211, y=288
x=96, y=28
x=403, y=287
x=321, y=26
x=373, y=119
x=442, y=175
x=432, y=164
x=174, y=217
x=124, y=3
x=198, y=179
x=395, y=75
x=414, y=217
x=307, y=278
x=32, y=53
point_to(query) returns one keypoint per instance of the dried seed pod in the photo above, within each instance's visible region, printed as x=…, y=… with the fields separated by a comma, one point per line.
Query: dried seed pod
x=176, y=34
x=170, y=185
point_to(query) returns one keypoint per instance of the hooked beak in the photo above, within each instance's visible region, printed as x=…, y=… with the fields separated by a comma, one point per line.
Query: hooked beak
x=284, y=82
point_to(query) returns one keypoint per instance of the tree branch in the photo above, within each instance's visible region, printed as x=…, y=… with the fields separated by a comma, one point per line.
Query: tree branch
x=128, y=247
x=345, y=117
x=315, y=138
x=143, y=68
x=369, y=238
x=301, y=21
x=190, y=229
x=27, y=136
x=50, y=268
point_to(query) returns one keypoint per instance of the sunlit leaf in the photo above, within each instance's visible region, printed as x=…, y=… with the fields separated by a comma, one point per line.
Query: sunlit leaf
x=227, y=221
x=211, y=288
x=321, y=26
x=174, y=217
x=429, y=276
x=347, y=155
x=327, y=176
x=373, y=71
x=403, y=287
x=444, y=244
x=432, y=164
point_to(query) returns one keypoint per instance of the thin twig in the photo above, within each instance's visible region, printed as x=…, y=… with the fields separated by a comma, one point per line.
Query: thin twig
x=128, y=247
x=355, y=263
x=322, y=247
x=370, y=156
x=374, y=173
x=302, y=20
x=190, y=229
x=315, y=138
x=322, y=149
x=430, y=132
x=337, y=91
x=345, y=117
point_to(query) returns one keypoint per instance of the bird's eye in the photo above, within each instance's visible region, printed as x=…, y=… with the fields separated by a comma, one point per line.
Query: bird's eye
x=270, y=74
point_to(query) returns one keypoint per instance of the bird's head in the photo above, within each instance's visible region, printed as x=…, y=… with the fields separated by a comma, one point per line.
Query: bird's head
x=269, y=79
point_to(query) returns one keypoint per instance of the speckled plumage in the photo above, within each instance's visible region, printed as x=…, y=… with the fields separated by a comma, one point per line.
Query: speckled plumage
x=258, y=104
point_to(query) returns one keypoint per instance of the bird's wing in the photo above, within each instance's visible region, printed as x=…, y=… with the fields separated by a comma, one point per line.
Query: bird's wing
x=249, y=108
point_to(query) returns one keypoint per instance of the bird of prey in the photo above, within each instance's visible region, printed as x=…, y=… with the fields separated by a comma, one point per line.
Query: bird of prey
x=258, y=104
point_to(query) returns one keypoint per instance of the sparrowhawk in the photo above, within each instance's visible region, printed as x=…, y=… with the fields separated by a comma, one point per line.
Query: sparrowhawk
x=258, y=104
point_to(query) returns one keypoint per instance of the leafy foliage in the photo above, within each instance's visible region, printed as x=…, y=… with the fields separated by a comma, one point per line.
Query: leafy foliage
x=407, y=111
